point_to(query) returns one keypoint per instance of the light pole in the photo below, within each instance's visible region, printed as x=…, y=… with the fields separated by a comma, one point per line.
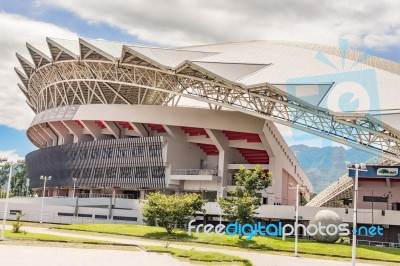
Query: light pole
x=296, y=223
x=220, y=209
x=74, y=179
x=45, y=178
x=3, y=229
x=27, y=187
x=356, y=167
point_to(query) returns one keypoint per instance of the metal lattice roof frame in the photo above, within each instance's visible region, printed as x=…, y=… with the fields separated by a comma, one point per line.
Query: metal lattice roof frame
x=136, y=79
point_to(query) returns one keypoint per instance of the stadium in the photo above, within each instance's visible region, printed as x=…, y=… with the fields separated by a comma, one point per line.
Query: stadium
x=109, y=122
x=120, y=120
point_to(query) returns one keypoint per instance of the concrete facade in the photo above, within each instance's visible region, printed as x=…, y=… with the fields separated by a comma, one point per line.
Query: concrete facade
x=200, y=151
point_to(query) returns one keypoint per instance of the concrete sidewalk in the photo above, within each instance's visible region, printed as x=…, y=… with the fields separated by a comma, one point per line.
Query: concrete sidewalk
x=52, y=256
x=258, y=258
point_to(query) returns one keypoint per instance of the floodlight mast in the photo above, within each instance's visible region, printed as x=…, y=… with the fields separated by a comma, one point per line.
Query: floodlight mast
x=356, y=167
x=296, y=223
x=45, y=179
x=3, y=230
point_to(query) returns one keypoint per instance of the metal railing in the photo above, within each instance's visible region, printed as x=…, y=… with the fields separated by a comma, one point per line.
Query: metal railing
x=56, y=219
x=344, y=183
x=195, y=172
x=103, y=195
x=378, y=244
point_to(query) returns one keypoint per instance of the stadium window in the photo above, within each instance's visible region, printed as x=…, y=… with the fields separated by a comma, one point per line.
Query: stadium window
x=122, y=152
x=265, y=201
x=83, y=154
x=374, y=199
x=126, y=172
x=154, y=150
x=111, y=172
x=95, y=154
x=15, y=212
x=98, y=172
x=158, y=172
x=65, y=214
x=125, y=218
x=75, y=172
x=73, y=155
x=137, y=151
x=141, y=172
x=107, y=152
x=86, y=172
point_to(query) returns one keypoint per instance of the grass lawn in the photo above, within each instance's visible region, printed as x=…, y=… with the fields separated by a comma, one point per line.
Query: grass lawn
x=210, y=258
x=30, y=224
x=52, y=238
x=258, y=242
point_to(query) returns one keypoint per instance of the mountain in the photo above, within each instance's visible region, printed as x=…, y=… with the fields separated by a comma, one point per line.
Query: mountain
x=325, y=165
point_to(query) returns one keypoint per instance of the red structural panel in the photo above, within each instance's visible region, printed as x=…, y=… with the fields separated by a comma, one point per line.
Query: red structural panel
x=208, y=149
x=100, y=124
x=157, y=127
x=250, y=137
x=195, y=131
x=79, y=123
x=126, y=125
x=254, y=156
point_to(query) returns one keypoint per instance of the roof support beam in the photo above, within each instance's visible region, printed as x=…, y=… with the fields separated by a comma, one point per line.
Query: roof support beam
x=113, y=128
x=77, y=131
x=62, y=131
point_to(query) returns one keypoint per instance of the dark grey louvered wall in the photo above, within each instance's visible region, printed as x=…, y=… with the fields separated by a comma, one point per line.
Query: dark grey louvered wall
x=124, y=163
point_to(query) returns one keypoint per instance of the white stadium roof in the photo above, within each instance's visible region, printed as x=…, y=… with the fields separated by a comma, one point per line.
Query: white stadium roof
x=335, y=81
x=255, y=62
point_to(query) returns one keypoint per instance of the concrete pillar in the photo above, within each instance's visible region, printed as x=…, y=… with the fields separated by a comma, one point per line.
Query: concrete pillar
x=113, y=128
x=140, y=129
x=53, y=138
x=77, y=131
x=39, y=139
x=63, y=134
x=275, y=163
x=142, y=194
x=224, y=157
x=94, y=130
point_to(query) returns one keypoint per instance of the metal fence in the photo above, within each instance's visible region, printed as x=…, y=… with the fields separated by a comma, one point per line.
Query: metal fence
x=195, y=172
x=104, y=195
x=56, y=219
x=378, y=244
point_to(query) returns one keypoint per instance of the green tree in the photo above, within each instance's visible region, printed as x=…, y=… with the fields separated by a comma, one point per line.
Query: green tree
x=170, y=210
x=303, y=200
x=243, y=201
x=18, y=179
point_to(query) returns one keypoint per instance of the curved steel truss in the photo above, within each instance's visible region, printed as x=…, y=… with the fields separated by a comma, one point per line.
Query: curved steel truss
x=74, y=82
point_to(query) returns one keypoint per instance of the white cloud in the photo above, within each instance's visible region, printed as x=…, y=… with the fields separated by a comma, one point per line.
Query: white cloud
x=369, y=23
x=10, y=155
x=16, y=31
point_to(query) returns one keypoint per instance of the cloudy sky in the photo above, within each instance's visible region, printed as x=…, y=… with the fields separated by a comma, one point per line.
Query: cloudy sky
x=371, y=26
